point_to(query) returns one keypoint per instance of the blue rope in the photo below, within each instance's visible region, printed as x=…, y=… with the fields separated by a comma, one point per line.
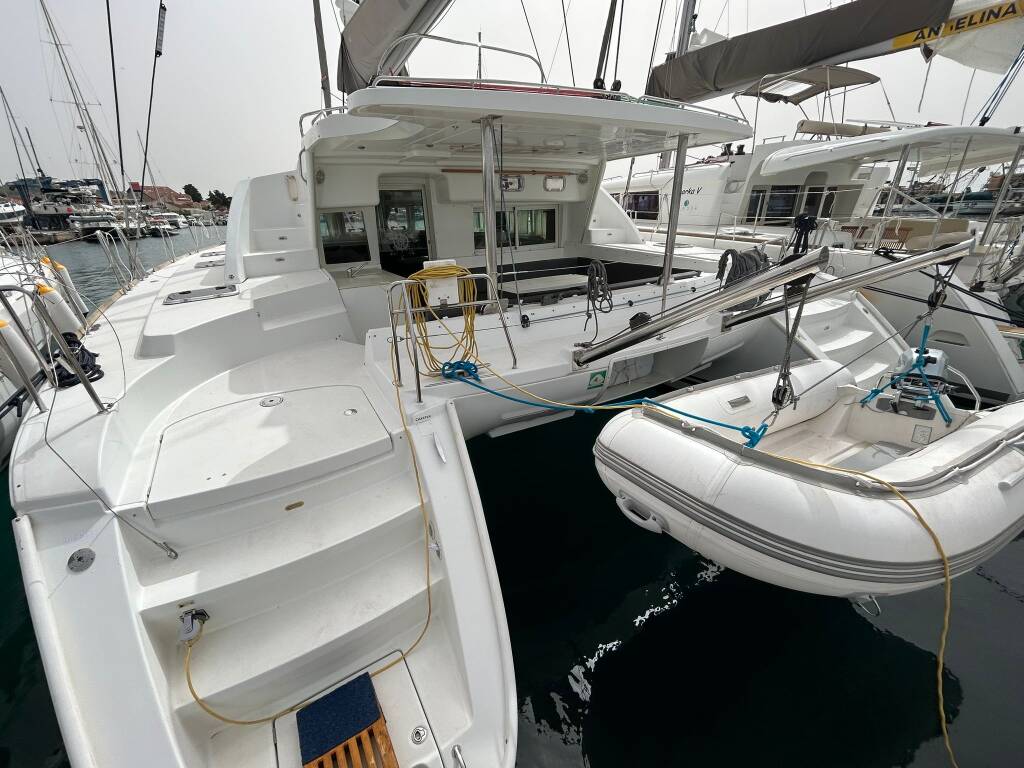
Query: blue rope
x=469, y=373
x=918, y=367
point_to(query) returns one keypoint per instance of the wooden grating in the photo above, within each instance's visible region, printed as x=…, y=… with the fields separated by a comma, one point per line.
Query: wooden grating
x=370, y=748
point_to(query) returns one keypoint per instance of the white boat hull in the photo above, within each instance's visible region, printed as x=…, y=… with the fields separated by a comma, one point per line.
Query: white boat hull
x=812, y=530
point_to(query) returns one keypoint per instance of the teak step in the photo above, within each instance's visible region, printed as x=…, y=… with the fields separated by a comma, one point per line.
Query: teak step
x=370, y=748
x=346, y=729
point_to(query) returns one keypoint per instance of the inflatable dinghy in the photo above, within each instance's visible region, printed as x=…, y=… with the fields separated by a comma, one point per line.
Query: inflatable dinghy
x=811, y=528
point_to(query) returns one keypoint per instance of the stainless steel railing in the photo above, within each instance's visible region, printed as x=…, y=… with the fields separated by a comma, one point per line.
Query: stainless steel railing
x=398, y=41
x=852, y=282
x=757, y=285
x=408, y=310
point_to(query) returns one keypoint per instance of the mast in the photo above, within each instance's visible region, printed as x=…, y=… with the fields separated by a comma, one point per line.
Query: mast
x=687, y=18
x=88, y=125
x=39, y=166
x=26, y=198
x=325, y=78
x=686, y=21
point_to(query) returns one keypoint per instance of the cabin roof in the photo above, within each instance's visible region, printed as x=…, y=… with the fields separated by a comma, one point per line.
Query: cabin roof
x=438, y=121
x=938, y=149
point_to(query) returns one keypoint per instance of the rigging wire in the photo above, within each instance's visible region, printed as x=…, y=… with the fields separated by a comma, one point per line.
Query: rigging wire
x=616, y=83
x=654, y=42
x=529, y=27
x=157, y=53
x=568, y=44
x=1002, y=87
x=133, y=253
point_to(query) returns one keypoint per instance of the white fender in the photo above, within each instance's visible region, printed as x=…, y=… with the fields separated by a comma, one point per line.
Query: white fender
x=21, y=353
x=68, y=286
x=62, y=314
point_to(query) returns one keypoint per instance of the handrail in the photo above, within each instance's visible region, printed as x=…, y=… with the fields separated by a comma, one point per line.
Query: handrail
x=706, y=304
x=407, y=309
x=423, y=36
x=851, y=282
x=318, y=114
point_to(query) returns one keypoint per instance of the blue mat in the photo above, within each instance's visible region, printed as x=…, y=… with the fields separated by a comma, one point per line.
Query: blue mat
x=337, y=717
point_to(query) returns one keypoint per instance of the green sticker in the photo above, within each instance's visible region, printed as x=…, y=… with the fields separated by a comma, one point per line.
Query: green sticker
x=597, y=379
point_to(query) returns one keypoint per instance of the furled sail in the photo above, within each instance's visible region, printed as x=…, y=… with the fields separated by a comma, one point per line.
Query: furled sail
x=979, y=34
x=373, y=28
x=857, y=30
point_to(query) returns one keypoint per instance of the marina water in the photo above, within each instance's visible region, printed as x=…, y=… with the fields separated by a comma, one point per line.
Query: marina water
x=631, y=650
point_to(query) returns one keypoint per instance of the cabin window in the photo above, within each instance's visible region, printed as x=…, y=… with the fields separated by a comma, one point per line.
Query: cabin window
x=523, y=228
x=344, y=238
x=781, y=204
x=535, y=227
x=402, y=230
x=616, y=196
x=643, y=205
x=755, y=203
x=503, y=224
x=819, y=201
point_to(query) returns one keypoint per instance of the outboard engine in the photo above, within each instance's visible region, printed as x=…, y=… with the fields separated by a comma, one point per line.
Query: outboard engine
x=926, y=375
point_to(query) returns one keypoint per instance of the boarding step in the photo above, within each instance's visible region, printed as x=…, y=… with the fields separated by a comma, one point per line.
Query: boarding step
x=234, y=577
x=849, y=340
x=867, y=372
x=251, y=665
x=821, y=310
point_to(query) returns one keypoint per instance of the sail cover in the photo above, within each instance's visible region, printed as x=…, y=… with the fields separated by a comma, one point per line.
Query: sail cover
x=374, y=27
x=979, y=34
x=856, y=30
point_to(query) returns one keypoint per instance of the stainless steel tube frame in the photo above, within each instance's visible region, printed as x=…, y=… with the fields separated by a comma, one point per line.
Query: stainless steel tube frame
x=673, y=216
x=423, y=36
x=707, y=304
x=852, y=282
x=69, y=357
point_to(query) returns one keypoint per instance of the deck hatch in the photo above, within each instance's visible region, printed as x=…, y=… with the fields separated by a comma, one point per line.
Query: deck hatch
x=201, y=294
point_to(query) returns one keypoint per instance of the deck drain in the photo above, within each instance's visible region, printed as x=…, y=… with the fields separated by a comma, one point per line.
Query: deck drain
x=270, y=402
x=419, y=734
x=80, y=560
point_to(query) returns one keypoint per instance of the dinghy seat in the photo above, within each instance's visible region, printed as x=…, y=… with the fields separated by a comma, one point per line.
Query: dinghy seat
x=749, y=400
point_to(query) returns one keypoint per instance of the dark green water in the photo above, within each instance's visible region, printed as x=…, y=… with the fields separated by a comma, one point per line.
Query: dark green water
x=630, y=650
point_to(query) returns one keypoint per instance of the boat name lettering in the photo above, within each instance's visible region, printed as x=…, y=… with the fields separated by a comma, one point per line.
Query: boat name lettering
x=982, y=17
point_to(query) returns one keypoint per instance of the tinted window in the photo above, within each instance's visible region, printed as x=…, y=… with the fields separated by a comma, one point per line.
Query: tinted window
x=343, y=234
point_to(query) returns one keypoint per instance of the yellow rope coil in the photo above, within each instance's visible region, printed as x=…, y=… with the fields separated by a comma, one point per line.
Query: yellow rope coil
x=463, y=346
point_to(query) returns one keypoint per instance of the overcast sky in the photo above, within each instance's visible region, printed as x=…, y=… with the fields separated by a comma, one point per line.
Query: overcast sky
x=236, y=74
